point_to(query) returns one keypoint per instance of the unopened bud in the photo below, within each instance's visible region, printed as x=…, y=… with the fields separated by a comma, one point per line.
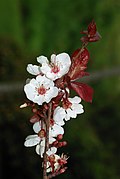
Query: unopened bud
x=46, y=106
x=59, y=137
x=60, y=144
x=34, y=110
x=64, y=143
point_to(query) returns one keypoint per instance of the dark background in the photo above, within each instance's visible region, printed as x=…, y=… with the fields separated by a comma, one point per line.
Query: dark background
x=29, y=28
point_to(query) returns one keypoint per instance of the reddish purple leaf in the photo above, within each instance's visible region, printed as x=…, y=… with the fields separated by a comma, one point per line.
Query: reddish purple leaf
x=80, y=59
x=83, y=90
x=91, y=34
x=92, y=28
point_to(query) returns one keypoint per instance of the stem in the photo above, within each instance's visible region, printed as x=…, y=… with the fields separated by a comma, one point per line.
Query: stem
x=47, y=123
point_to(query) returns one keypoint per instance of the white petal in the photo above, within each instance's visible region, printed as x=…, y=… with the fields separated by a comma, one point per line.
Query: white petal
x=64, y=58
x=51, y=93
x=39, y=99
x=40, y=150
x=33, y=69
x=78, y=108
x=76, y=99
x=31, y=136
x=55, y=130
x=49, y=169
x=59, y=115
x=32, y=141
x=42, y=80
x=71, y=113
x=29, y=91
x=51, y=140
x=51, y=75
x=51, y=151
x=53, y=58
x=67, y=117
x=45, y=68
x=37, y=127
x=42, y=59
x=43, y=142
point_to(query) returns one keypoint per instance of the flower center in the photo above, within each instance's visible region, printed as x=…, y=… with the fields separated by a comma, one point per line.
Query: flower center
x=55, y=69
x=66, y=104
x=41, y=90
x=41, y=133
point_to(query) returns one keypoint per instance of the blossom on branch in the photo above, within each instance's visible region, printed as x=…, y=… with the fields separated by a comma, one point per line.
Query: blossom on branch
x=49, y=97
x=58, y=67
x=71, y=107
x=38, y=139
x=40, y=90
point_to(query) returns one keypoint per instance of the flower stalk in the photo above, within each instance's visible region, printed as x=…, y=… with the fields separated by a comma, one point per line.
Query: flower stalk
x=47, y=123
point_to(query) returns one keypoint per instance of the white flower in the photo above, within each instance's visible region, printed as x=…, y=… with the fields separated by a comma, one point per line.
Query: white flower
x=40, y=90
x=55, y=128
x=58, y=67
x=33, y=69
x=38, y=140
x=71, y=108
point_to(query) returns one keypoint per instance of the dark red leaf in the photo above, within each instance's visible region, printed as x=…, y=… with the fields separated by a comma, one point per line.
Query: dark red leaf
x=92, y=28
x=91, y=34
x=80, y=59
x=95, y=38
x=83, y=90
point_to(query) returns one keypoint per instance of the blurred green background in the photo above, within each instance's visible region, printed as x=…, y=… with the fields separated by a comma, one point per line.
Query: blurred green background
x=29, y=28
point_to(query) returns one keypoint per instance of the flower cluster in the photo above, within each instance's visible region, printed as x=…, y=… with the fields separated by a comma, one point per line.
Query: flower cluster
x=48, y=94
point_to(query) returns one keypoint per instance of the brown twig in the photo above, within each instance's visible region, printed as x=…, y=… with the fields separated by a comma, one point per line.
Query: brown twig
x=47, y=123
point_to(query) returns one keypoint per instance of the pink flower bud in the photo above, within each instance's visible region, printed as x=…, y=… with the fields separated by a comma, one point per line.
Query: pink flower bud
x=34, y=110
x=59, y=137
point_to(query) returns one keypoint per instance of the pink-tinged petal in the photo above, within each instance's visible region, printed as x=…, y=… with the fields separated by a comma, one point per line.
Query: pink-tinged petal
x=33, y=69
x=37, y=127
x=76, y=99
x=32, y=141
x=42, y=59
x=83, y=90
